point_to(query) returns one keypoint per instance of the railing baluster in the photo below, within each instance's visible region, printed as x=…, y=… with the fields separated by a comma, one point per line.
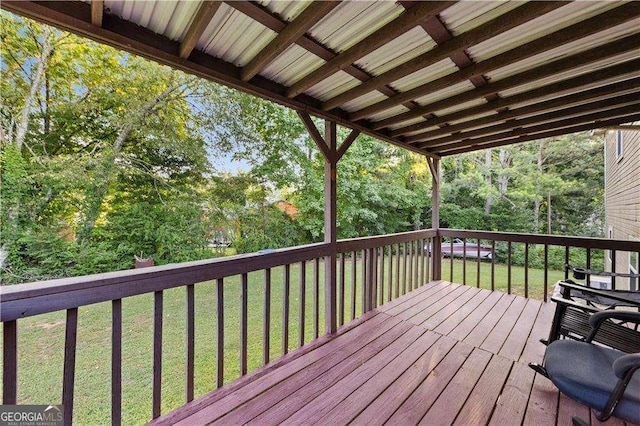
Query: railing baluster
x=427, y=260
x=316, y=298
x=451, y=260
x=417, y=259
x=373, y=276
x=341, y=289
x=244, y=289
x=509, y=267
x=613, y=269
x=464, y=261
x=220, y=332
x=354, y=274
x=546, y=273
x=157, y=353
x=397, y=270
x=285, y=308
x=410, y=261
x=191, y=328
x=588, y=280
x=116, y=362
x=422, y=262
x=68, y=380
x=493, y=265
x=303, y=300
x=404, y=268
x=566, y=262
x=365, y=287
x=10, y=363
x=478, y=265
x=390, y=273
x=526, y=270
x=382, y=276
x=266, y=323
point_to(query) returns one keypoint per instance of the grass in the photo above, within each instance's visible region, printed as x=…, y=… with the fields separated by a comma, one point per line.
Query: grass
x=41, y=339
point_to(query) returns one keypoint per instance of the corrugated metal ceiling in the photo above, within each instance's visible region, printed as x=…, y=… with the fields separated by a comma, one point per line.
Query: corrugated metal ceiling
x=330, y=59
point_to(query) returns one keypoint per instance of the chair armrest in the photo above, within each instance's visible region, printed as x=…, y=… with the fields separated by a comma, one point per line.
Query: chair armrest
x=598, y=318
x=625, y=364
x=609, y=294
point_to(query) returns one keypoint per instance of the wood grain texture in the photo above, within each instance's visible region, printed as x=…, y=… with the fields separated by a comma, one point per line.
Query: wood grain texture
x=10, y=362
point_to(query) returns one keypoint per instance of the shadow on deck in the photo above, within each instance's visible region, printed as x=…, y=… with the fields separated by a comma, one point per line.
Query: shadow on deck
x=442, y=354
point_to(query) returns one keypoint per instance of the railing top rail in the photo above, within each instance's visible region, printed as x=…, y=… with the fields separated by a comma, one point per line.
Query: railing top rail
x=558, y=240
x=22, y=300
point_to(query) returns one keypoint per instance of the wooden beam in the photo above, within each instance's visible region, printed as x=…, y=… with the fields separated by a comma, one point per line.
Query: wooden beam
x=97, y=10
x=347, y=143
x=314, y=133
x=582, y=96
x=330, y=227
x=392, y=30
x=562, y=125
x=609, y=19
x=200, y=22
x=629, y=127
x=605, y=104
x=545, y=70
x=289, y=34
x=436, y=255
x=492, y=28
x=549, y=134
x=601, y=75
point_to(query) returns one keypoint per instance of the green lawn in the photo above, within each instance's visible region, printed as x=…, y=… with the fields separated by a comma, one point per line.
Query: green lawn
x=41, y=340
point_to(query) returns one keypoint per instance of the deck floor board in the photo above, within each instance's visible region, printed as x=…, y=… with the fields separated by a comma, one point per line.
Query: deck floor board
x=441, y=354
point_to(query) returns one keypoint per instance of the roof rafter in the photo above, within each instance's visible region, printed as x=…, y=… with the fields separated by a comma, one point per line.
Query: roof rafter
x=197, y=27
x=289, y=34
x=507, y=21
x=588, y=95
x=601, y=105
x=562, y=122
x=602, y=74
x=392, y=30
x=274, y=23
x=549, y=134
x=574, y=32
x=545, y=70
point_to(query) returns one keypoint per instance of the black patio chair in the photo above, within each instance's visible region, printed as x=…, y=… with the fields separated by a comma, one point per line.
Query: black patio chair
x=576, y=303
x=602, y=378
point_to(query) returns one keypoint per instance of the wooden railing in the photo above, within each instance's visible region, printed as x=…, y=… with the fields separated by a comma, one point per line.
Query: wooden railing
x=545, y=254
x=371, y=271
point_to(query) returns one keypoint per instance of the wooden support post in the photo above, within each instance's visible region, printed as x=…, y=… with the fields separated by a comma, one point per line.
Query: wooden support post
x=332, y=154
x=436, y=255
x=330, y=231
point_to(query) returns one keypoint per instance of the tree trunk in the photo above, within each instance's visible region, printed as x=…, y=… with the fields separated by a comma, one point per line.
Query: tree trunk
x=21, y=130
x=98, y=192
x=504, y=160
x=488, y=204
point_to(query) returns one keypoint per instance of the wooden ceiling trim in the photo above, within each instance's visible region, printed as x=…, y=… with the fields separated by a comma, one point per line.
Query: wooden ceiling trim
x=97, y=11
x=409, y=19
x=549, y=134
x=289, y=34
x=591, y=95
x=545, y=70
x=492, y=28
x=200, y=22
x=614, y=17
x=601, y=105
x=624, y=70
x=561, y=123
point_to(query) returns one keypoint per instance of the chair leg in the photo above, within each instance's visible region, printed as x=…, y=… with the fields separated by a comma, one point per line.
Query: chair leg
x=577, y=421
x=539, y=369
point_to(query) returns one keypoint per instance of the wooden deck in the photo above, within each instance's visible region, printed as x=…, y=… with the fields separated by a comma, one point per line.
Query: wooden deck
x=442, y=354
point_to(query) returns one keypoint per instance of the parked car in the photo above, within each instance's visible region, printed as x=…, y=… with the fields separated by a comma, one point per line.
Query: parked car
x=470, y=250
